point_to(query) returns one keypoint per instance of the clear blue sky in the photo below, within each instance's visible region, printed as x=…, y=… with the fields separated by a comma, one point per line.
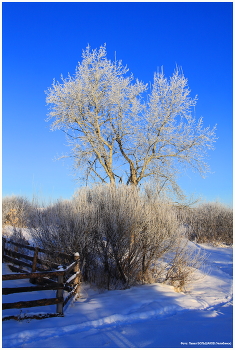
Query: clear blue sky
x=43, y=40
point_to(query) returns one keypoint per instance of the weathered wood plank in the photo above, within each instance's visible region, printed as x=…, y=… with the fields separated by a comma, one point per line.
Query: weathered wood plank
x=17, y=269
x=71, y=267
x=17, y=262
x=32, y=303
x=39, y=249
x=17, y=255
x=32, y=275
x=71, y=279
x=52, y=286
x=10, y=253
x=20, y=245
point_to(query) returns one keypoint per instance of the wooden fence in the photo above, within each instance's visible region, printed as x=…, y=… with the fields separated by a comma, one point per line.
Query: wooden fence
x=43, y=273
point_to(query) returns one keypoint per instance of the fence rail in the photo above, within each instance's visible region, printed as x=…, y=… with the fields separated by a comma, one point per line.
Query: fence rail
x=42, y=276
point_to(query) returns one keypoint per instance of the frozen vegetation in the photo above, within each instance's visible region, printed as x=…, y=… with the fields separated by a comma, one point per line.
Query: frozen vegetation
x=154, y=273
x=152, y=315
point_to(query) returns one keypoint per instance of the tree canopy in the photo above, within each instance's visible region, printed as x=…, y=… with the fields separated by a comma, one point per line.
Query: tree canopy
x=122, y=130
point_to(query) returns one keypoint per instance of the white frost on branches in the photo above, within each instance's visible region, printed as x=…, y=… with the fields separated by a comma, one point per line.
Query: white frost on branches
x=121, y=129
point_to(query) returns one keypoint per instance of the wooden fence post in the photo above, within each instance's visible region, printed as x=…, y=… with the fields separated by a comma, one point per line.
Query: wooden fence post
x=76, y=270
x=59, y=294
x=34, y=264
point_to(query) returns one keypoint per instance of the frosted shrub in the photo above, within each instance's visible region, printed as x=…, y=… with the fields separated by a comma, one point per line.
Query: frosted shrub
x=53, y=228
x=211, y=222
x=180, y=268
x=119, y=232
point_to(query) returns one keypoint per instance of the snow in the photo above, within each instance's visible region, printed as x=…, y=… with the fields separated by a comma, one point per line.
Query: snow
x=8, y=230
x=73, y=277
x=143, y=316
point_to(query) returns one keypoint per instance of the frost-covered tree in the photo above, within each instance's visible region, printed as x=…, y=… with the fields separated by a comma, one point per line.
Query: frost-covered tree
x=122, y=130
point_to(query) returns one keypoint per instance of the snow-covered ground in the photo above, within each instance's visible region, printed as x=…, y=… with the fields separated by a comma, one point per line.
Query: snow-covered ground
x=152, y=316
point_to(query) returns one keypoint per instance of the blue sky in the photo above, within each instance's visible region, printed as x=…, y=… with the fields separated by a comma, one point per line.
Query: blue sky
x=43, y=40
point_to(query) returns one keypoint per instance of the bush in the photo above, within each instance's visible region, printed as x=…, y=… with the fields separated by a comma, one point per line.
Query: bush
x=119, y=232
x=211, y=222
x=15, y=211
x=183, y=262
